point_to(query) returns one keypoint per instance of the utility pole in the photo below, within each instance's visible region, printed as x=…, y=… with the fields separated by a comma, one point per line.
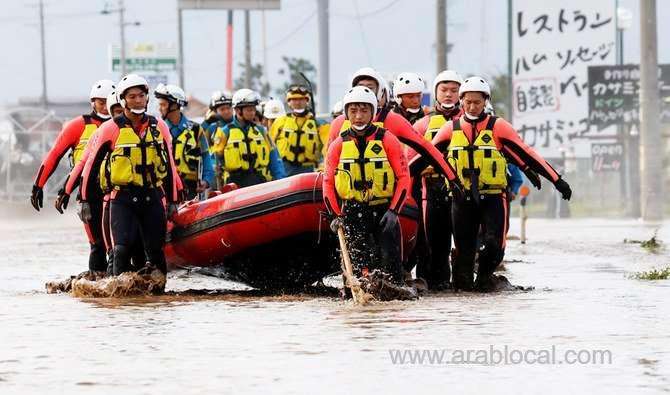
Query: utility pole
x=229, y=52
x=651, y=147
x=122, y=28
x=441, y=21
x=44, y=98
x=324, y=57
x=180, y=42
x=247, y=50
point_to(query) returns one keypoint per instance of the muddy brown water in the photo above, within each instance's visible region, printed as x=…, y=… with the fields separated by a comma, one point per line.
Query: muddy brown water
x=235, y=343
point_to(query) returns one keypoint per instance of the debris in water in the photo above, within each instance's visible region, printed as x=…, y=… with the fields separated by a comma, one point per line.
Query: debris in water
x=652, y=245
x=654, y=274
x=380, y=285
x=98, y=285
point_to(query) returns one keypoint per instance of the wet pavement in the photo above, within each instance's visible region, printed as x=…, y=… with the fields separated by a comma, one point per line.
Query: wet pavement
x=584, y=307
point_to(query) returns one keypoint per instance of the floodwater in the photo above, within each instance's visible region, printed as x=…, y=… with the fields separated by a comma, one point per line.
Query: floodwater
x=583, y=303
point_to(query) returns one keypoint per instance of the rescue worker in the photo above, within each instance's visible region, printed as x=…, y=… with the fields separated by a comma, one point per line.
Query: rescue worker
x=189, y=143
x=367, y=170
x=392, y=122
x=220, y=114
x=249, y=155
x=72, y=181
x=74, y=137
x=433, y=249
x=337, y=109
x=479, y=146
x=272, y=110
x=407, y=93
x=298, y=134
x=141, y=174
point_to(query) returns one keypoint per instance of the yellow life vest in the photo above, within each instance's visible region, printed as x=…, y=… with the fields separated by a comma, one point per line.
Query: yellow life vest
x=137, y=161
x=366, y=176
x=186, y=150
x=244, y=152
x=78, y=151
x=479, y=162
x=299, y=145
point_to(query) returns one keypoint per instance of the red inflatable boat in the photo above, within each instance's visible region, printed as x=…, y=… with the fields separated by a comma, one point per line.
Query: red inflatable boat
x=273, y=235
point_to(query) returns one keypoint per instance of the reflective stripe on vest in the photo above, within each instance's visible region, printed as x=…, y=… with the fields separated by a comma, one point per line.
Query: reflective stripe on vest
x=244, y=152
x=137, y=161
x=187, y=152
x=479, y=162
x=78, y=151
x=299, y=145
x=367, y=176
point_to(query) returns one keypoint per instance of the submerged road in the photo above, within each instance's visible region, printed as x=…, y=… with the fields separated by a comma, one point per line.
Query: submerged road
x=586, y=328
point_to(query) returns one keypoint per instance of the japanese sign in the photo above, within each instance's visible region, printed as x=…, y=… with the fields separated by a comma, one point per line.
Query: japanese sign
x=614, y=94
x=606, y=157
x=145, y=57
x=553, y=43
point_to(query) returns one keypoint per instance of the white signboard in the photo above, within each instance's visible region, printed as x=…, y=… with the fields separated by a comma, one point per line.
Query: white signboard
x=553, y=43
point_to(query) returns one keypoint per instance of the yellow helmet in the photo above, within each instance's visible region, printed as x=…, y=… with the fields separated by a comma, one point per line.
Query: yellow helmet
x=297, y=92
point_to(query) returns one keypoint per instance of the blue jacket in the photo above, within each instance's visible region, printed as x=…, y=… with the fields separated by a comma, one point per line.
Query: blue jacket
x=515, y=178
x=206, y=157
x=276, y=165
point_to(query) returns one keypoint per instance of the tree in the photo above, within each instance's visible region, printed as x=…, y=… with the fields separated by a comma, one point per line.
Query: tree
x=257, y=84
x=292, y=69
x=500, y=95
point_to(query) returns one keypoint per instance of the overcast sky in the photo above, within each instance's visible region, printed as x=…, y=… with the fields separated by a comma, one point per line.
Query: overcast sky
x=390, y=35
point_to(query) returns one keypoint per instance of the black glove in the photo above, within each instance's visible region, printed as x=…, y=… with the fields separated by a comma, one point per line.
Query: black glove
x=37, y=198
x=85, y=212
x=335, y=224
x=533, y=178
x=171, y=210
x=389, y=221
x=564, y=188
x=62, y=201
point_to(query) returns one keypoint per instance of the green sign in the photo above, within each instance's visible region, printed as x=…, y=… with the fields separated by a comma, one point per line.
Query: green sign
x=145, y=64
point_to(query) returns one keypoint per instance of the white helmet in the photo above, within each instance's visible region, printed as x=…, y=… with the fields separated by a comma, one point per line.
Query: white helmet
x=372, y=73
x=101, y=89
x=273, y=109
x=338, y=108
x=220, y=98
x=131, y=81
x=112, y=100
x=245, y=97
x=171, y=93
x=127, y=82
x=407, y=83
x=475, y=84
x=446, y=76
x=360, y=94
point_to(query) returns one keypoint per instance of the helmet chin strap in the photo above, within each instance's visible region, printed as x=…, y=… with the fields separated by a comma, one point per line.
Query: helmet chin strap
x=103, y=116
x=299, y=110
x=138, y=112
x=414, y=110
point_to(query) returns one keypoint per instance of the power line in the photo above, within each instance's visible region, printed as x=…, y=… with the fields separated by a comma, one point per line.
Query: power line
x=370, y=13
x=360, y=26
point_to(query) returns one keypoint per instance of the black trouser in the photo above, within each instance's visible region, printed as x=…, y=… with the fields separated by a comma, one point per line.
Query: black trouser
x=468, y=216
x=138, y=213
x=138, y=256
x=190, y=188
x=245, y=178
x=97, y=259
x=369, y=246
x=437, y=229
